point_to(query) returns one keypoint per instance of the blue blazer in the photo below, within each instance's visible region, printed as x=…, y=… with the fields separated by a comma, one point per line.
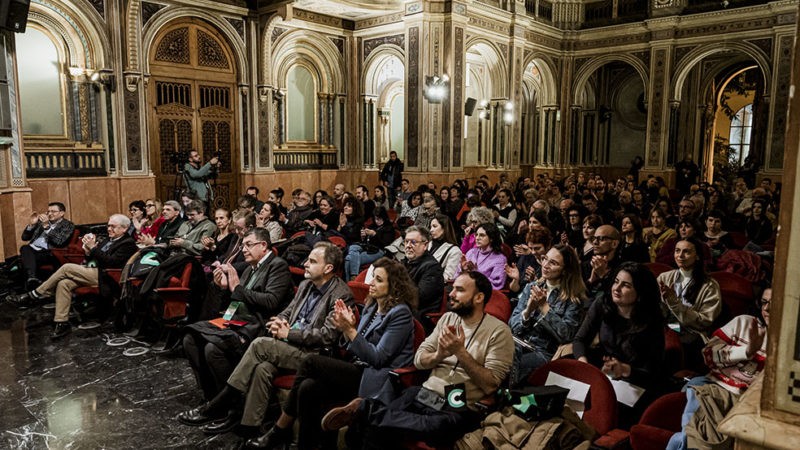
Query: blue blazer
x=387, y=344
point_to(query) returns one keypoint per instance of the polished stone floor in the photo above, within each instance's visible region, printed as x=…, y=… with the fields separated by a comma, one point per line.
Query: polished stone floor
x=80, y=393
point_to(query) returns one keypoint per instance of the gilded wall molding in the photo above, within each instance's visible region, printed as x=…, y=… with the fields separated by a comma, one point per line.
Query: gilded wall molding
x=322, y=19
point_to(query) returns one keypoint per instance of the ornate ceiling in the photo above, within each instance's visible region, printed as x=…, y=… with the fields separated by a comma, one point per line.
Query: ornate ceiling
x=351, y=9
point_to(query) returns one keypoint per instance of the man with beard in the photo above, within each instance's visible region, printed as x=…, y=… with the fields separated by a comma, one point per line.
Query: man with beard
x=597, y=271
x=469, y=354
x=191, y=232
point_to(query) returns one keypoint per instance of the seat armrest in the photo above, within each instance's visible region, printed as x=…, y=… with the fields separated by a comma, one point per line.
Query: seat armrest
x=615, y=439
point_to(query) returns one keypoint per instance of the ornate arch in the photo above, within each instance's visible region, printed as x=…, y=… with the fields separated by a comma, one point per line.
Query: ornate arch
x=547, y=83
x=80, y=28
x=380, y=56
x=170, y=14
x=320, y=52
x=590, y=67
x=498, y=67
x=688, y=62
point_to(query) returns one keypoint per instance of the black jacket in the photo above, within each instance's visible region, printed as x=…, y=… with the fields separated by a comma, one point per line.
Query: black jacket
x=59, y=236
x=428, y=275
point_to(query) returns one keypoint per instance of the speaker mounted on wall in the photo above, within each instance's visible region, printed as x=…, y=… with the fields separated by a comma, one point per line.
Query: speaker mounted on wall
x=469, y=106
x=14, y=14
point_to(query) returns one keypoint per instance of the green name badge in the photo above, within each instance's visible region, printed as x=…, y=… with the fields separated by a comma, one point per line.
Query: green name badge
x=231, y=310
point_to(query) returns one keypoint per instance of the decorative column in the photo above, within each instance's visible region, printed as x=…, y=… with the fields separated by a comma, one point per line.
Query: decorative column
x=368, y=131
x=244, y=90
x=265, y=127
x=279, y=105
x=329, y=120
x=576, y=112
x=674, y=121
x=658, y=111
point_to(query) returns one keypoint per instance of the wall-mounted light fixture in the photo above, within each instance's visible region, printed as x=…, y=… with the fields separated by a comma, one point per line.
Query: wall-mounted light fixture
x=508, y=115
x=436, y=88
x=108, y=80
x=484, y=110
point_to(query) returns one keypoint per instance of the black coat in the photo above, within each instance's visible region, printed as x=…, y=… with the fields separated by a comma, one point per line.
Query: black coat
x=428, y=275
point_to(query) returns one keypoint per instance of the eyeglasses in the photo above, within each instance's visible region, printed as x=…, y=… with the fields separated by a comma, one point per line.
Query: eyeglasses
x=413, y=242
x=596, y=239
x=550, y=262
x=249, y=245
x=763, y=303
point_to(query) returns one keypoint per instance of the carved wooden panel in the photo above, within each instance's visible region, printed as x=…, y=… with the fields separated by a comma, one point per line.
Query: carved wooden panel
x=174, y=47
x=209, y=52
x=412, y=100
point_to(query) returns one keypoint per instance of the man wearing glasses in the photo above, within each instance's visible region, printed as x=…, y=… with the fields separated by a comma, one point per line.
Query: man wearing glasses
x=304, y=327
x=424, y=270
x=597, y=270
x=262, y=291
x=191, y=232
x=45, y=231
x=106, y=253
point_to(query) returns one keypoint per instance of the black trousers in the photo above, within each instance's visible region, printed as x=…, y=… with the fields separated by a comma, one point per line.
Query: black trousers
x=33, y=259
x=211, y=365
x=391, y=426
x=321, y=383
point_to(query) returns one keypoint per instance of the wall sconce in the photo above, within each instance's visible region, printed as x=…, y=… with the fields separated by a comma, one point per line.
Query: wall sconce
x=436, y=88
x=558, y=115
x=484, y=110
x=508, y=115
x=107, y=80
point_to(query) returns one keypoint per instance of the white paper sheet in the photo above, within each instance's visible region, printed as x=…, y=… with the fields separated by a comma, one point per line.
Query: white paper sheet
x=627, y=394
x=577, y=391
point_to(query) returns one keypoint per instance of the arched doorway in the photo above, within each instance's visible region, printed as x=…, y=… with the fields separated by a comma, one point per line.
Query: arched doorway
x=193, y=93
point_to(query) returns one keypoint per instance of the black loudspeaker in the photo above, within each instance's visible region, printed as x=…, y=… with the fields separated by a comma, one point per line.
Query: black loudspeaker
x=14, y=14
x=469, y=106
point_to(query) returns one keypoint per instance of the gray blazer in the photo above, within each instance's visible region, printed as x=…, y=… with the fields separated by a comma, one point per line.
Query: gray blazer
x=321, y=332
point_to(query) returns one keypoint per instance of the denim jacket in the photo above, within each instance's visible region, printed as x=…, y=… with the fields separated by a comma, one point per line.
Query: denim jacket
x=547, y=332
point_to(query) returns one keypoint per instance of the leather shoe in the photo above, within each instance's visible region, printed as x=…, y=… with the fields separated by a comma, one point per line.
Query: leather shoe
x=340, y=417
x=20, y=300
x=229, y=423
x=60, y=330
x=197, y=416
x=275, y=438
x=32, y=283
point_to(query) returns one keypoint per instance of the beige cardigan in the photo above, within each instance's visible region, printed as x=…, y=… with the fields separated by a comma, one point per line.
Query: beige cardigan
x=698, y=317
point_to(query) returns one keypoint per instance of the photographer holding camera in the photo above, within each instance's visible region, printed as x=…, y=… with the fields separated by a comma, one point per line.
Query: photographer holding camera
x=196, y=175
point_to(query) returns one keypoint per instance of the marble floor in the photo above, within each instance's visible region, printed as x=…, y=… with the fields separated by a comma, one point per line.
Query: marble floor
x=80, y=393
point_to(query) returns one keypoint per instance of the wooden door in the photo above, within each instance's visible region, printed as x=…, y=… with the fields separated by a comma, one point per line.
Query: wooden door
x=193, y=93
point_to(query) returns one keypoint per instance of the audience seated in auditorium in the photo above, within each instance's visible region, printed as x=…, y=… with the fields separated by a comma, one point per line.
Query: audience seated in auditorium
x=101, y=253
x=190, y=234
x=468, y=350
x=44, y=231
x=304, y=327
x=381, y=341
x=262, y=291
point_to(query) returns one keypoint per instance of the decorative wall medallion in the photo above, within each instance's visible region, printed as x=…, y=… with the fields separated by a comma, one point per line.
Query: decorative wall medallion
x=174, y=47
x=370, y=44
x=460, y=9
x=209, y=52
x=412, y=8
x=149, y=9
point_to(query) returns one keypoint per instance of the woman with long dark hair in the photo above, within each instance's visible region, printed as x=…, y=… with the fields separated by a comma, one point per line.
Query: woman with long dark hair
x=381, y=341
x=690, y=298
x=631, y=332
x=268, y=218
x=351, y=220
x=548, y=313
x=487, y=256
x=443, y=245
x=632, y=247
x=326, y=218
